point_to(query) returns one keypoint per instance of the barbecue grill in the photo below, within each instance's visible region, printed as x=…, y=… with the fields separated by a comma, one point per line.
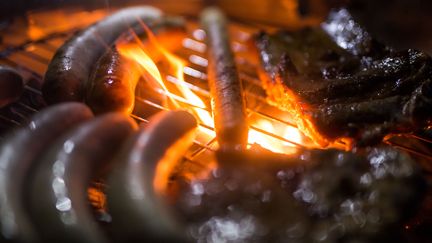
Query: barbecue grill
x=28, y=42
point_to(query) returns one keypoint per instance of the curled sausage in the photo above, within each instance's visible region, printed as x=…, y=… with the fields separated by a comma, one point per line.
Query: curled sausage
x=18, y=156
x=112, y=84
x=58, y=199
x=137, y=184
x=70, y=67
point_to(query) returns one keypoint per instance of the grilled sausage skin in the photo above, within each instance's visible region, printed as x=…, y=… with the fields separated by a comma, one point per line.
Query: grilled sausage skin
x=228, y=106
x=70, y=67
x=112, y=83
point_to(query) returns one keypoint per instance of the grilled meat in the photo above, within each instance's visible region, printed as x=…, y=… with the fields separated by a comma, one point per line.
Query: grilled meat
x=71, y=66
x=340, y=83
x=317, y=196
x=112, y=84
x=227, y=101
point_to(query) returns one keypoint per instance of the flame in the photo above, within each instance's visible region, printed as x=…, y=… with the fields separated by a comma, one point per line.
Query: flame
x=274, y=144
x=141, y=53
x=201, y=110
x=288, y=101
x=262, y=132
x=135, y=52
x=273, y=136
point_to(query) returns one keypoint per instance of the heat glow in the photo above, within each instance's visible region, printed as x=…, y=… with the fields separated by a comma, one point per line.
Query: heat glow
x=185, y=98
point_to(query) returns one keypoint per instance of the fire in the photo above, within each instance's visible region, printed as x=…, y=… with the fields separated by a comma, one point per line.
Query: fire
x=262, y=132
x=142, y=55
x=275, y=144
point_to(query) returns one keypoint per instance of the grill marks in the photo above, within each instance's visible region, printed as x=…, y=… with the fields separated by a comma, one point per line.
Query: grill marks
x=360, y=93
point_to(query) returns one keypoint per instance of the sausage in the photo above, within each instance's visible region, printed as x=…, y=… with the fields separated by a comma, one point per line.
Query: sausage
x=112, y=86
x=227, y=101
x=58, y=201
x=18, y=157
x=70, y=67
x=113, y=81
x=11, y=85
x=137, y=184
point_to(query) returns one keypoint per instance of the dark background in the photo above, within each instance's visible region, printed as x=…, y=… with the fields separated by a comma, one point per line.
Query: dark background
x=400, y=23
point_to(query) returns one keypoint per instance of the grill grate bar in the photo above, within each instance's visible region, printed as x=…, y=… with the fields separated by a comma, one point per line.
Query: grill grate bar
x=276, y=136
x=421, y=138
x=410, y=150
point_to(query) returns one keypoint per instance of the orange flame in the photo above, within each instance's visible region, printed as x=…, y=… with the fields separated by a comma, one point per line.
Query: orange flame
x=137, y=51
x=285, y=142
x=262, y=132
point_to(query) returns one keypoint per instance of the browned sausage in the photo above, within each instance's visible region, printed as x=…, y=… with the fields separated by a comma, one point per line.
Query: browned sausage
x=228, y=107
x=70, y=67
x=112, y=84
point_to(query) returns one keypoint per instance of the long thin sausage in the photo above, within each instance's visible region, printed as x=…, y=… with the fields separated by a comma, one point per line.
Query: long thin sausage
x=227, y=100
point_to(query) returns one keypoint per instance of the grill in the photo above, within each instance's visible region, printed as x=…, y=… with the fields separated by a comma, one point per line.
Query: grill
x=31, y=56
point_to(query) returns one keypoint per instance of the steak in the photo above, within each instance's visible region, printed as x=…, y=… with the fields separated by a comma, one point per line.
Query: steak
x=340, y=84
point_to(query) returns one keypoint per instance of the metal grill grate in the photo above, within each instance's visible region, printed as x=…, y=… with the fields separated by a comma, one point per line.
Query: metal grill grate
x=31, y=58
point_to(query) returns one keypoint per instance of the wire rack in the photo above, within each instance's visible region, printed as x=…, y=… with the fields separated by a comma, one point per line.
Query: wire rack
x=31, y=57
